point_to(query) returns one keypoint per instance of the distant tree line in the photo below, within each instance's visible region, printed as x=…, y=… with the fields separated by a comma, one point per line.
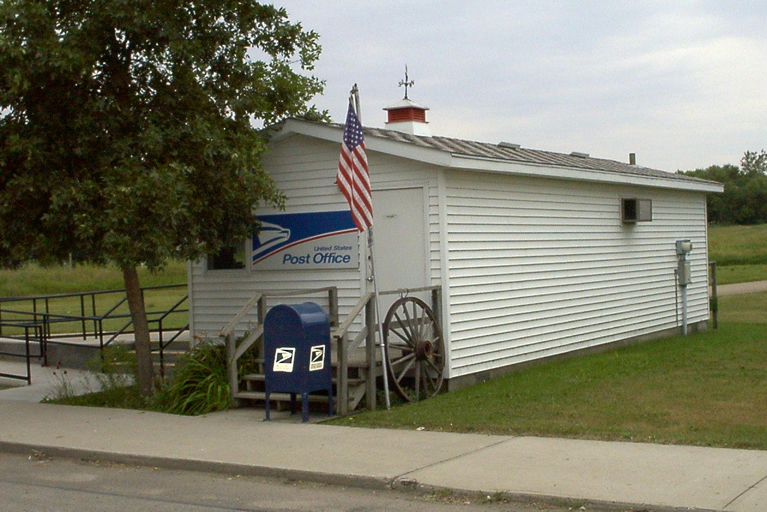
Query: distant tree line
x=744, y=200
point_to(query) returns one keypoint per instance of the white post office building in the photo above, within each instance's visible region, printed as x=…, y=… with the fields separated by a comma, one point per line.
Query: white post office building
x=538, y=254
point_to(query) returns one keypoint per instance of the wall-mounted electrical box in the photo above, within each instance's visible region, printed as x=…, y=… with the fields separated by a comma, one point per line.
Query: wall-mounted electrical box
x=684, y=273
x=636, y=210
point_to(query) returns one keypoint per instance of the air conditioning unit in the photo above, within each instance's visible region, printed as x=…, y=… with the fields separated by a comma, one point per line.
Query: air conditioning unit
x=636, y=210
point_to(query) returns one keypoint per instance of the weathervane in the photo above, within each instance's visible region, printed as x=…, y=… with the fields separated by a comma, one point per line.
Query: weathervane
x=406, y=83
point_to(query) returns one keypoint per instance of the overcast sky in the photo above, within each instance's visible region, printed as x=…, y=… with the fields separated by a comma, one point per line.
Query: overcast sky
x=683, y=84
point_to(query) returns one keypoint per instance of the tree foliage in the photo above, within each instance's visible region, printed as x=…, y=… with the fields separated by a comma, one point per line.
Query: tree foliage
x=127, y=129
x=744, y=200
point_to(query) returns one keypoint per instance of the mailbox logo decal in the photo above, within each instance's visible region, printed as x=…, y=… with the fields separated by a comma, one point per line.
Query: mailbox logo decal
x=317, y=360
x=284, y=358
x=306, y=241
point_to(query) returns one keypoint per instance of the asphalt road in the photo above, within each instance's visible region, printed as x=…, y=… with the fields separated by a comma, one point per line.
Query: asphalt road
x=40, y=483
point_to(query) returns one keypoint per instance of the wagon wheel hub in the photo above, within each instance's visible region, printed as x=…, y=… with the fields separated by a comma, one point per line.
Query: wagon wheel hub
x=424, y=349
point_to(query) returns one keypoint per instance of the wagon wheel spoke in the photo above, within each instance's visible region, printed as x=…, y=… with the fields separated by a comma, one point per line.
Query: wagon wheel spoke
x=399, y=373
x=428, y=383
x=417, y=380
x=405, y=335
x=433, y=366
x=414, y=349
x=408, y=326
x=423, y=322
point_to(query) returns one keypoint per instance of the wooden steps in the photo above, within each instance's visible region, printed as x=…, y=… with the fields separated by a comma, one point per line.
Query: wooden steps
x=278, y=397
x=260, y=377
x=252, y=386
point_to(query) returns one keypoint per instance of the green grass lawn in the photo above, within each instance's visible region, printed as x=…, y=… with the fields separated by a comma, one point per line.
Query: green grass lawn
x=750, y=308
x=709, y=389
x=738, y=245
x=731, y=274
x=36, y=280
x=740, y=253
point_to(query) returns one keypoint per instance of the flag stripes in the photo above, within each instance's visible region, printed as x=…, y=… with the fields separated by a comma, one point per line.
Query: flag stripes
x=353, y=176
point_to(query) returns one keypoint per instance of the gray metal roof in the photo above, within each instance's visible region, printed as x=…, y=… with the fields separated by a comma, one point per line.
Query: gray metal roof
x=504, y=152
x=512, y=153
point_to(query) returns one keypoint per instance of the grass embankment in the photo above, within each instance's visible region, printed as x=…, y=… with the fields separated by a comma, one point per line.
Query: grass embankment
x=740, y=253
x=33, y=280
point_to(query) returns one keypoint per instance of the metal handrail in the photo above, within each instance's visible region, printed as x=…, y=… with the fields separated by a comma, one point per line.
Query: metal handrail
x=78, y=294
x=41, y=321
x=27, y=355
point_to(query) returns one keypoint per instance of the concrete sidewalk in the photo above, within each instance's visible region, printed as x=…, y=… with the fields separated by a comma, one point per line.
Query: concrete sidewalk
x=240, y=442
x=741, y=288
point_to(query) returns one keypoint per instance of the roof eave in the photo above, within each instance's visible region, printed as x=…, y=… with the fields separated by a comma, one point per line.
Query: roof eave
x=372, y=143
x=472, y=163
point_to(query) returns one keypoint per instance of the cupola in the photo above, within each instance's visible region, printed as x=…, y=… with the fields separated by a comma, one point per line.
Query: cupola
x=406, y=115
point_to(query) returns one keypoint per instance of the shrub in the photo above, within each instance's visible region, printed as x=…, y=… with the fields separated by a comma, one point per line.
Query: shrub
x=199, y=385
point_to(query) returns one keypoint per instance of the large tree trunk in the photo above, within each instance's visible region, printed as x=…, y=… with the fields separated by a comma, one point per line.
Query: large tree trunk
x=145, y=372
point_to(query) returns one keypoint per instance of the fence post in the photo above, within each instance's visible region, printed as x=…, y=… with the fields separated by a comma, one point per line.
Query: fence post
x=26, y=348
x=370, y=354
x=93, y=311
x=82, y=315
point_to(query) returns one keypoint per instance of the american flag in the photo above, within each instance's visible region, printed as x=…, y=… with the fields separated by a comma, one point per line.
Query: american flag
x=353, y=175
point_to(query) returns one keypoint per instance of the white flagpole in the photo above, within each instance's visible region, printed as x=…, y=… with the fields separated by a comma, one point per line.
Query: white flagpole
x=356, y=96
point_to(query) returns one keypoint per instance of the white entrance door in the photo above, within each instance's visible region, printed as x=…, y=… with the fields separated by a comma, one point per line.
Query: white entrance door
x=400, y=243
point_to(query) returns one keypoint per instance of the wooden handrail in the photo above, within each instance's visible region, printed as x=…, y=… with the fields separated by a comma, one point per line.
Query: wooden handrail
x=343, y=344
x=231, y=326
x=341, y=331
x=407, y=291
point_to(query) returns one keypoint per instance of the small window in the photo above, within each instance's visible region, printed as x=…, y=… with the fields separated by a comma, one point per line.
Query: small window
x=636, y=210
x=228, y=258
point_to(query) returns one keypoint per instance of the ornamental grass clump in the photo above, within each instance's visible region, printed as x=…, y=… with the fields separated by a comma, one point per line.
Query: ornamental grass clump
x=199, y=385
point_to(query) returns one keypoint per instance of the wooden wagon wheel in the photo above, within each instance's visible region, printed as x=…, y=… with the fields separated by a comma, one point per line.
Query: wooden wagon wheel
x=414, y=349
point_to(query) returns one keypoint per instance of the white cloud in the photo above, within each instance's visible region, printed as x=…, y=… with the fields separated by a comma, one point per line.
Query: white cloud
x=681, y=83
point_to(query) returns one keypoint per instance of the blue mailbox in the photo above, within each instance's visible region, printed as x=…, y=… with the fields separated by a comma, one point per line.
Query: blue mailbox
x=297, y=353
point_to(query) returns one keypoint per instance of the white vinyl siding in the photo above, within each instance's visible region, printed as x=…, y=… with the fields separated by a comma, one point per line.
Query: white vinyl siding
x=542, y=267
x=305, y=170
x=530, y=267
